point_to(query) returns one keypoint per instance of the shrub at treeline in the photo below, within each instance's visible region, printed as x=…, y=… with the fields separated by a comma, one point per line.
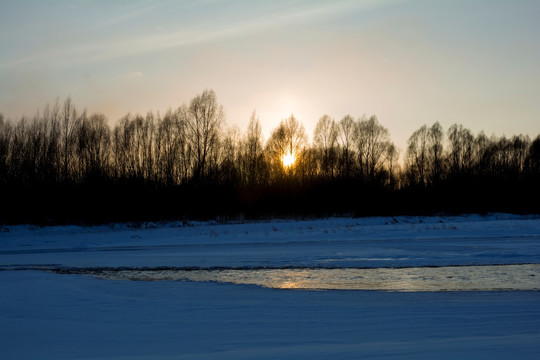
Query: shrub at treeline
x=63, y=165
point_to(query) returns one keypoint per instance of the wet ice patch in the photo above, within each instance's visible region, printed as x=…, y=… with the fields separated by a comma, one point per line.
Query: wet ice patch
x=443, y=278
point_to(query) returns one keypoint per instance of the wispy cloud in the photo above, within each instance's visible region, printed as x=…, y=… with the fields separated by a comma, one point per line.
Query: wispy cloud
x=113, y=48
x=138, y=12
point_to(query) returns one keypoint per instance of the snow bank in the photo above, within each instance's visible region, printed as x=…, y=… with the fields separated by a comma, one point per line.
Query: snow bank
x=335, y=242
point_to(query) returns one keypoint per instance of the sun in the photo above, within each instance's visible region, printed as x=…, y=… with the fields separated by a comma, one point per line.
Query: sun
x=288, y=159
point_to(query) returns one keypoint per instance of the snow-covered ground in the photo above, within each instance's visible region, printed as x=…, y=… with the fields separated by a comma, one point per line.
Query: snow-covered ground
x=64, y=315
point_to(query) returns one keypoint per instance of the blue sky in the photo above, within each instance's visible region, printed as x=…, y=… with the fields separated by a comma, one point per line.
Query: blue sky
x=408, y=62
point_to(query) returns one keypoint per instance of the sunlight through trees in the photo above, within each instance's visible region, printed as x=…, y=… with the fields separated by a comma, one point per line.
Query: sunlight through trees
x=63, y=148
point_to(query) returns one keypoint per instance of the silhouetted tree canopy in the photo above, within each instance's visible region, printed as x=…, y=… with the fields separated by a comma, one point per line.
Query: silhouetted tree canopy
x=65, y=165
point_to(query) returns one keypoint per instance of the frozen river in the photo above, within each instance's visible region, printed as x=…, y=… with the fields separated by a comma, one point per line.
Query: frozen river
x=452, y=287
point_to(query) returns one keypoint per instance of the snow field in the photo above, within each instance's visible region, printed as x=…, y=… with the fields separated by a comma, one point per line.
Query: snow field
x=45, y=315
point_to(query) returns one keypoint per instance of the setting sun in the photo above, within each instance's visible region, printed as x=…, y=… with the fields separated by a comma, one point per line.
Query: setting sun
x=288, y=159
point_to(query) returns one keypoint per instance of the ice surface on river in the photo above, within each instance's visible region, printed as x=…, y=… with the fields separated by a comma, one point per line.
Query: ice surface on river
x=447, y=278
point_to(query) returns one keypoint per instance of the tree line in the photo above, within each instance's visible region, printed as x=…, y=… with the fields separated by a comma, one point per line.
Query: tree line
x=63, y=164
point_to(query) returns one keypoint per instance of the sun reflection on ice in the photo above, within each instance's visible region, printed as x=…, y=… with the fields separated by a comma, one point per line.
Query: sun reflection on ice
x=444, y=278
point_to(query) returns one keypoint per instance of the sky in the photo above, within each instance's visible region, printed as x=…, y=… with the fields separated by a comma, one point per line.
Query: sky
x=409, y=63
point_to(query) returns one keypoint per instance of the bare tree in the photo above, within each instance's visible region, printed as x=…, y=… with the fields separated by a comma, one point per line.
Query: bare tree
x=185, y=146
x=51, y=116
x=393, y=166
x=6, y=136
x=373, y=141
x=520, y=146
x=417, y=156
x=286, y=145
x=172, y=151
x=204, y=122
x=425, y=161
x=147, y=133
x=435, y=152
x=252, y=154
x=461, y=149
x=346, y=139
x=93, y=148
x=229, y=156
x=325, y=141
x=122, y=136
x=533, y=157
x=68, y=125
x=481, y=154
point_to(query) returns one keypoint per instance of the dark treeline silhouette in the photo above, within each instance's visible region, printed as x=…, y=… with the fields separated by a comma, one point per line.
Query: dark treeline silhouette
x=65, y=165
